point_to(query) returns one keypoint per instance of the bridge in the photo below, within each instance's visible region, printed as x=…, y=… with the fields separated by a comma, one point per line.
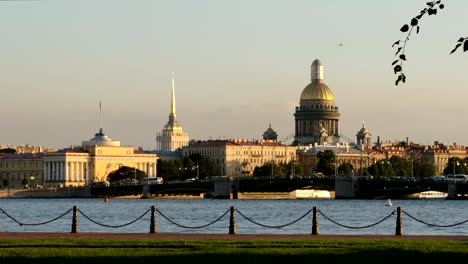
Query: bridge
x=230, y=187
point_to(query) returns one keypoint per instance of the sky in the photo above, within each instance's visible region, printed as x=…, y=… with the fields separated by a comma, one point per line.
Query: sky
x=239, y=66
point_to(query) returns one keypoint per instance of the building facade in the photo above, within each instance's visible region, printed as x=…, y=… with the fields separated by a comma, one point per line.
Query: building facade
x=239, y=157
x=19, y=170
x=172, y=137
x=93, y=161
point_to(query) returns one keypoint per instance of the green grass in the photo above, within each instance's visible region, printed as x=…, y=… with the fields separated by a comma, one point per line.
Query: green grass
x=230, y=251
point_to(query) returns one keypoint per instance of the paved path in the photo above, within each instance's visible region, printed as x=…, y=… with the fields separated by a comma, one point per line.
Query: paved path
x=197, y=236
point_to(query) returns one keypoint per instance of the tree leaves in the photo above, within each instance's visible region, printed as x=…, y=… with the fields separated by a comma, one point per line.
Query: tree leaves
x=431, y=9
x=461, y=41
x=399, y=49
x=404, y=28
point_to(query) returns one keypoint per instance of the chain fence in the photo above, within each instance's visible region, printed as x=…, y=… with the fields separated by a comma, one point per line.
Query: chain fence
x=273, y=226
x=357, y=227
x=192, y=227
x=433, y=225
x=34, y=224
x=232, y=223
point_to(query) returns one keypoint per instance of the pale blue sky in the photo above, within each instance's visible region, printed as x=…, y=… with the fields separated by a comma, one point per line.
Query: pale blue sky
x=239, y=65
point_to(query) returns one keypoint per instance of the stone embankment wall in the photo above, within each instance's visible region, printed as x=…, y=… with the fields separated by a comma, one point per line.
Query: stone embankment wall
x=75, y=192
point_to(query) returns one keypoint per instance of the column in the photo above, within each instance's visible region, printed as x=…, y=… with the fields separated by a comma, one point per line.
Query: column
x=81, y=171
x=87, y=180
x=62, y=170
x=44, y=172
x=54, y=168
x=155, y=173
x=67, y=170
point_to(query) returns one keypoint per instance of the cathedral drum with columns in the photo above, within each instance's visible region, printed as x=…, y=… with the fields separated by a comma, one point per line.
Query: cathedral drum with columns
x=316, y=117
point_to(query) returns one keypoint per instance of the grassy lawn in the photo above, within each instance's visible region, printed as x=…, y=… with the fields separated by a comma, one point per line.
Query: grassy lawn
x=225, y=251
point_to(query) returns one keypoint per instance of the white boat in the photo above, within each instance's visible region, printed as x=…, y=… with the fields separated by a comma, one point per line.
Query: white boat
x=432, y=195
x=389, y=203
x=310, y=194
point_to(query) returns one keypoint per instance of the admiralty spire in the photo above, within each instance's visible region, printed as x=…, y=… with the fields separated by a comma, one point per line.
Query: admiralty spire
x=316, y=117
x=172, y=137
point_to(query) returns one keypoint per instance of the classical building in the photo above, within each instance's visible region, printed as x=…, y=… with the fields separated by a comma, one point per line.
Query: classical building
x=93, y=161
x=316, y=117
x=239, y=157
x=17, y=169
x=172, y=137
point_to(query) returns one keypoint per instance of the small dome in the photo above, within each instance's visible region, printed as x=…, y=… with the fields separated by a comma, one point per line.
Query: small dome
x=317, y=90
x=270, y=134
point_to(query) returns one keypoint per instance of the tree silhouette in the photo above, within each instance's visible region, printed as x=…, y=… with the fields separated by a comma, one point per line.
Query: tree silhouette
x=400, y=45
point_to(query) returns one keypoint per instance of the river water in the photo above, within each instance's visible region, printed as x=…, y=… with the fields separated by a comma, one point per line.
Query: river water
x=251, y=216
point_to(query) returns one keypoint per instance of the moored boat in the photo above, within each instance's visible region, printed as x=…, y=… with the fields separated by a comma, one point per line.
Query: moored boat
x=432, y=195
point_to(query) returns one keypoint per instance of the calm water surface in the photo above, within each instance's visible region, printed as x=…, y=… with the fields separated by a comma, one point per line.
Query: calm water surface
x=187, y=215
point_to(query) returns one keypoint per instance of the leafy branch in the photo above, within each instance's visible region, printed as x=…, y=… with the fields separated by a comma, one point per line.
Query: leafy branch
x=461, y=41
x=431, y=9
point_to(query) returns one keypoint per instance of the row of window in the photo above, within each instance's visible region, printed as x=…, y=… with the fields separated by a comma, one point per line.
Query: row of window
x=20, y=164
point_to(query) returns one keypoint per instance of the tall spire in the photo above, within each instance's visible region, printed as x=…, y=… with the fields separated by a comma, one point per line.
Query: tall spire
x=172, y=114
x=100, y=115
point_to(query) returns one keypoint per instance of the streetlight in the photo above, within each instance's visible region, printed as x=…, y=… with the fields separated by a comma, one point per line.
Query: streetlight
x=32, y=181
x=457, y=163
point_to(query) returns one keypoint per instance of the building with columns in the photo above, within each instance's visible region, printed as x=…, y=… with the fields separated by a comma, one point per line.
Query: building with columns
x=172, y=137
x=316, y=117
x=93, y=161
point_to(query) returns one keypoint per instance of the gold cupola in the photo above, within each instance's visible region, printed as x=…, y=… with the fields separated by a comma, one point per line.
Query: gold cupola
x=317, y=89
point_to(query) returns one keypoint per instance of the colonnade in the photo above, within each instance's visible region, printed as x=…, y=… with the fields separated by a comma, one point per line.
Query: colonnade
x=80, y=171
x=66, y=171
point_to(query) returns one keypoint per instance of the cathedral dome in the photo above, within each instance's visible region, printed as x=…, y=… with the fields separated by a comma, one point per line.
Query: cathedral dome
x=317, y=89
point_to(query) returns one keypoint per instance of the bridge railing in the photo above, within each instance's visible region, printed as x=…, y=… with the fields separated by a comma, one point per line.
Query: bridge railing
x=232, y=220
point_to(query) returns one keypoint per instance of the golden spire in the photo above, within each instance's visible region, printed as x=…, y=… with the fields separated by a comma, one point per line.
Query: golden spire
x=173, y=111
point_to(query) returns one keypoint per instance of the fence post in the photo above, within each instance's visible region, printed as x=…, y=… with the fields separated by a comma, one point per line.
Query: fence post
x=232, y=222
x=314, y=222
x=399, y=228
x=75, y=220
x=153, y=220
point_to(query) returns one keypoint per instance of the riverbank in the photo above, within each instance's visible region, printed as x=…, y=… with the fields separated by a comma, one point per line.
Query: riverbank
x=227, y=249
x=205, y=236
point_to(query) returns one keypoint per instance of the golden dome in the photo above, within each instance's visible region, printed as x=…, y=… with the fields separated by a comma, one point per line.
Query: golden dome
x=317, y=90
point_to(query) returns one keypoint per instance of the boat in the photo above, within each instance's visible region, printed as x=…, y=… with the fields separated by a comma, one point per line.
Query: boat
x=432, y=195
x=389, y=203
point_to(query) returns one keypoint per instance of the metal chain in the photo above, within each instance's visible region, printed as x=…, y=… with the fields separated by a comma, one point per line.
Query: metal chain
x=356, y=227
x=114, y=226
x=269, y=226
x=191, y=227
x=34, y=224
x=429, y=224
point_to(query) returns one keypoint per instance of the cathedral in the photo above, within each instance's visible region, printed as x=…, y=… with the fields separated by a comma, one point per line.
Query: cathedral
x=316, y=129
x=316, y=117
